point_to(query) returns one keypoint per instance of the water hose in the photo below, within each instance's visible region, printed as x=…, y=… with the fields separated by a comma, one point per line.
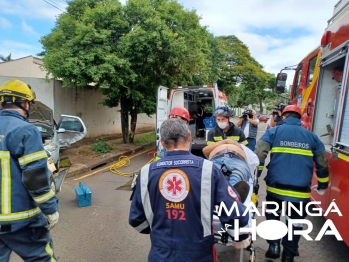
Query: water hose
x=123, y=162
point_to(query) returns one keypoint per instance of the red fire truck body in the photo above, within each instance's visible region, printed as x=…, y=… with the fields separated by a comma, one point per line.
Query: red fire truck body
x=320, y=89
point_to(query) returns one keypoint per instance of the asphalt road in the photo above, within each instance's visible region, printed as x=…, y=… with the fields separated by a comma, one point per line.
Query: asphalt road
x=100, y=232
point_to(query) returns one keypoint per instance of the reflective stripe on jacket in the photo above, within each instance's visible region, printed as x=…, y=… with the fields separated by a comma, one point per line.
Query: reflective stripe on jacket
x=293, y=153
x=21, y=149
x=174, y=201
x=234, y=133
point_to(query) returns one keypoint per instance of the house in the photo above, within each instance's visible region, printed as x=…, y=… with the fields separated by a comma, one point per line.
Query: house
x=83, y=102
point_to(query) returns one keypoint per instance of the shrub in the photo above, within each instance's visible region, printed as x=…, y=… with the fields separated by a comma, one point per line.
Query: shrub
x=100, y=147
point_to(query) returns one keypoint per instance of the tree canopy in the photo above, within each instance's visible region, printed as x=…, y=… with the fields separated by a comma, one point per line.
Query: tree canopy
x=241, y=75
x=133, y=49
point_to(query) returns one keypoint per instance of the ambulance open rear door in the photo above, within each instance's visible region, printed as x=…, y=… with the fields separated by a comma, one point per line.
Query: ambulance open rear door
x=161, y=116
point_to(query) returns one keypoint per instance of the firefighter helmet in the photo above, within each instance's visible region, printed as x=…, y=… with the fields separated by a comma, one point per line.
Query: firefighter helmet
x=293, y=109
x=181, y=112
x=14, y=90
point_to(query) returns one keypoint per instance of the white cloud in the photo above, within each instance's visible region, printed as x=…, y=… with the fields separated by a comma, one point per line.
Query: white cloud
x=33, y=9
x=246, y=19
x=236, y=17
x=17, y=49
x=4, y=23
x=255, y=22
x=28, y=30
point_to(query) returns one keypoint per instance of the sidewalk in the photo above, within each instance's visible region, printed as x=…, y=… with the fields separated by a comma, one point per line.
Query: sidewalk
x=83, y=159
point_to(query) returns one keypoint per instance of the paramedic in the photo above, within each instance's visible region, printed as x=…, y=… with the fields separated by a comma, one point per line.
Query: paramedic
x=175, y=198
x=28, y=207
x=290, y=171
x=225, y=129
x=250, y=126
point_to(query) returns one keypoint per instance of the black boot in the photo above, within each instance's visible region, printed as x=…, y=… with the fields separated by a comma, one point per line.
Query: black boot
x=286, y=258
x=273, y=251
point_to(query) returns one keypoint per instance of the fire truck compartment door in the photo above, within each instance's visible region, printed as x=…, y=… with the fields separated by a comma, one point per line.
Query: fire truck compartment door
x=337, y=53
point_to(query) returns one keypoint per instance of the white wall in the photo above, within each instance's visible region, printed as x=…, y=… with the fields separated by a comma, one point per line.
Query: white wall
x=85, y=103
x=24, y=67
x=42, y=89
x=82, y=102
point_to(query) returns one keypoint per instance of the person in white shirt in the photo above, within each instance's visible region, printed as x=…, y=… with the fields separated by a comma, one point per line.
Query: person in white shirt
x=249, y=124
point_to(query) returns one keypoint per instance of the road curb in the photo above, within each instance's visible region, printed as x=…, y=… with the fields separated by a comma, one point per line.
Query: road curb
x=78, y=169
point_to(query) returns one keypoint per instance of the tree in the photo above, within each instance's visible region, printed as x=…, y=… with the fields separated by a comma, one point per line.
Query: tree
x=5, y=58
x=241, y=75
x=258, y=90
x=133, y=49
x=237, y=64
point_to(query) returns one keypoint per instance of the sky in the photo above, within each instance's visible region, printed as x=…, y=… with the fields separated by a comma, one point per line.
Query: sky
x=278, y=33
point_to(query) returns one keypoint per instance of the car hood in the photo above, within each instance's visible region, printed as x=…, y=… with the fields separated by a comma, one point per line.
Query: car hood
x=41, y=114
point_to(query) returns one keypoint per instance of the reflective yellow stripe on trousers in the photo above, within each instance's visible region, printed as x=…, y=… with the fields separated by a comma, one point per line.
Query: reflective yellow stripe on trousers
x=289, y=150
x=5, y=182
x=289, y=193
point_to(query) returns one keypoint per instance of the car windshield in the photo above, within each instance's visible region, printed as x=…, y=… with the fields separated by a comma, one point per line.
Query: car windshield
x=43, y=129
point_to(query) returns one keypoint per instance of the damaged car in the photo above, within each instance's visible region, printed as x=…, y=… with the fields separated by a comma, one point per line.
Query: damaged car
x=69, y=130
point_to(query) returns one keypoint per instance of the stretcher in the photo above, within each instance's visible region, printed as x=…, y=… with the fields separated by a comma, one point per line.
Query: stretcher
x=226, y=238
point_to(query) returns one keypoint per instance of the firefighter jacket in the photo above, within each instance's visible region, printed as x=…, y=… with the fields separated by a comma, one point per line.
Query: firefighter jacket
x=24, y=184
x=293, y=152
x=174, y=201
x=234, y=133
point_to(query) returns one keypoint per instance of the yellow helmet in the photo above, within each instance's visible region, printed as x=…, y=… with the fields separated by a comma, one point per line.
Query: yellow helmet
x=14, y=90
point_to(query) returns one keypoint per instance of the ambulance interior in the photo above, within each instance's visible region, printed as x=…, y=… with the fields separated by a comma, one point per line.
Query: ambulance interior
x=327, y=104
x=191, y=99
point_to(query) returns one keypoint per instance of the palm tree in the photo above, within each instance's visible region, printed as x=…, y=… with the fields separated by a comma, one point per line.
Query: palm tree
x=5, y=59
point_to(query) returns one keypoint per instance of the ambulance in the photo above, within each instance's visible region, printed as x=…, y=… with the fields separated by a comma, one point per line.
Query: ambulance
x=189, y=97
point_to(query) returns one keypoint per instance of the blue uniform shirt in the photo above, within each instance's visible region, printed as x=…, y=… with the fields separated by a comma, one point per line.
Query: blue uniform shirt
x=21, y=150
x=294, y=150
x=174, y=202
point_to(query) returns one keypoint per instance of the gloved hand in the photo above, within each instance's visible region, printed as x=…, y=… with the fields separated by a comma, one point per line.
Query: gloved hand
x=320, y=191
x=243, y=244
x=52, y=220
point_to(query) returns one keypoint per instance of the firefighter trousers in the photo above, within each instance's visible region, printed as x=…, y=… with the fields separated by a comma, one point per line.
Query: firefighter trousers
x=290, y=247
x=32, y=244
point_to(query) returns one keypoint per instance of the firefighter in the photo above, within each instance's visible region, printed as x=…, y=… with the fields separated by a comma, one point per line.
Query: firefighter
x=175, y=198
x=225, y=129
x=178, y=112
x=290, y=171
x=28, y=206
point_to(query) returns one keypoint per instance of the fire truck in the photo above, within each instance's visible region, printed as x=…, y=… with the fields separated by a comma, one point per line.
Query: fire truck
x=320, y=89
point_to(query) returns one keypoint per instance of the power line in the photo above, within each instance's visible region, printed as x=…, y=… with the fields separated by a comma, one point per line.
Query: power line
x=53, y=5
